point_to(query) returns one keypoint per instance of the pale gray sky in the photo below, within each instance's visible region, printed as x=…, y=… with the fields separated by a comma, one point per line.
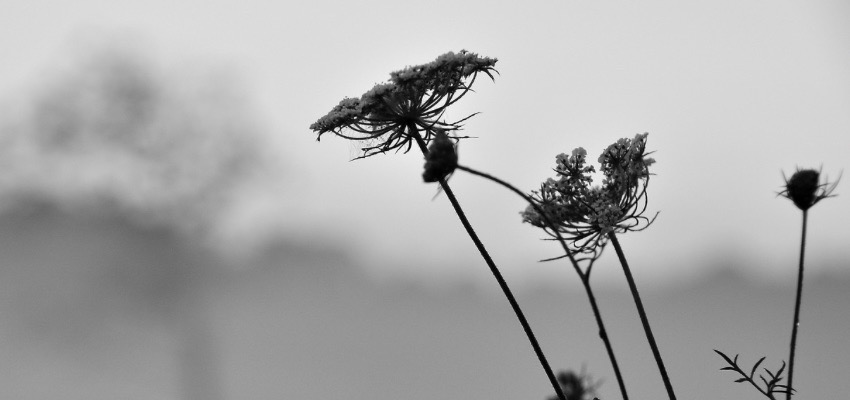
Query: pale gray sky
x=731, y=93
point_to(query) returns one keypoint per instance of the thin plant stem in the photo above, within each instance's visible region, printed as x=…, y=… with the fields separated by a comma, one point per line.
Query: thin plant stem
x=643, y=319
x=603, y=334
x=797, y=303
x=585, y=277
x=494, y=270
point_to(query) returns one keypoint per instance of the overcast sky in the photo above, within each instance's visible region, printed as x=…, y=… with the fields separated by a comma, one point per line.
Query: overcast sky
x=732, y=93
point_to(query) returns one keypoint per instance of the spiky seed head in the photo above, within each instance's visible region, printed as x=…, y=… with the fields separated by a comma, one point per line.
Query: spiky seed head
x=805, y=189
x=802, y=188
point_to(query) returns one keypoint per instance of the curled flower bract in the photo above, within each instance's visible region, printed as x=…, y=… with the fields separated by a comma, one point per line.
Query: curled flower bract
x=805, y=189
x=585, y=214
x=441, y=159
x=393, y=115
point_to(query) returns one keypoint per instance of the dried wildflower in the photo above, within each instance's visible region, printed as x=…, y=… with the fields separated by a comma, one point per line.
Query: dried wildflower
x=441, y=159
x=585, y=214
x=391, y=115
x=805, y=190
x=576, y=386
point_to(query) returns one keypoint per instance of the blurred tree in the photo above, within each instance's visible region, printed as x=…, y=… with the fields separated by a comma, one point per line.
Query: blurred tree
x=115, y=134
x=145, y=164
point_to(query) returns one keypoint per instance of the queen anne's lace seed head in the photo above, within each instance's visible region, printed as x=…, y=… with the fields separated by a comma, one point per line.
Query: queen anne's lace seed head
x=576, y=386
x=585, y=214
x=415, y=98
x=805, y=189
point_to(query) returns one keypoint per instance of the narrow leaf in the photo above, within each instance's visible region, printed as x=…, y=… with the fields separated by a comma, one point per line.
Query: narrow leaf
x=782, y=368
x=725, y=357
x=755, y=367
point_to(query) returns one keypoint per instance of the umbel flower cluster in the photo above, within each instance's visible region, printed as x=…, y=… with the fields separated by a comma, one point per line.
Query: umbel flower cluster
x=584, y=214
x=393, y=115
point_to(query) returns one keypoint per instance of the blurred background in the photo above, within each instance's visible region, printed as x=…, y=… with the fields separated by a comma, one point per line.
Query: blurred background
x=170, y=229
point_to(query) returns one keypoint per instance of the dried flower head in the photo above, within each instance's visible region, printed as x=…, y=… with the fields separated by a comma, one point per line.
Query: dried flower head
x=585, y=214
x=441, y=159
x=805, y=189
x=576, y=386
x=391, y=115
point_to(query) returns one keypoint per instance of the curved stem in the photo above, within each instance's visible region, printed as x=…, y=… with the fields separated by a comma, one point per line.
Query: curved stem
x=585, y=278
x=797, y=303
x=494, y=270
x=643, y=319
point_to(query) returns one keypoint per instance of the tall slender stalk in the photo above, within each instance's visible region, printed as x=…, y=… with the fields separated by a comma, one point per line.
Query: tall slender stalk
x=797, y=303
x=413, y=131
x=643, y=319
x=585, y=277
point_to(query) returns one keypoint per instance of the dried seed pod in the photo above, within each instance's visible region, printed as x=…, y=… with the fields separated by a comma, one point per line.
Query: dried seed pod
x=441, y=159
x=804, y=189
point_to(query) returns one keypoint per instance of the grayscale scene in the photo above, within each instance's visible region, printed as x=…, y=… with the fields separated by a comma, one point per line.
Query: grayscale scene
x=541, y=200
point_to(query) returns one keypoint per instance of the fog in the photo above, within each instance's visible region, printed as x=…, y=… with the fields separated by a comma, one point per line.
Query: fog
x=171, y=229
x=102, y=308
x=732, y=95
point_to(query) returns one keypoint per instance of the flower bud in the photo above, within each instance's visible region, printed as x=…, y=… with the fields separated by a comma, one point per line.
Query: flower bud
x=802, y=188
x=441, y=159
x=805, y=189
